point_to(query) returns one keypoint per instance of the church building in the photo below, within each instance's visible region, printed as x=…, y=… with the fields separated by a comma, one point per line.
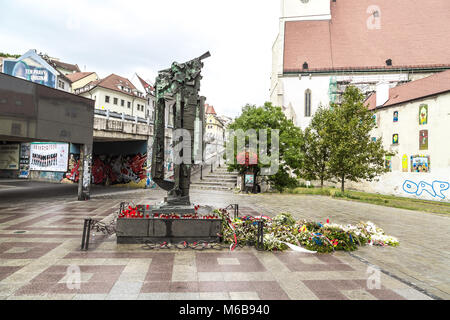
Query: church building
x=325, y=45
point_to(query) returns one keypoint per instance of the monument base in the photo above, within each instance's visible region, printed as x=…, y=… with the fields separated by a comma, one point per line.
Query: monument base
x=158, y=230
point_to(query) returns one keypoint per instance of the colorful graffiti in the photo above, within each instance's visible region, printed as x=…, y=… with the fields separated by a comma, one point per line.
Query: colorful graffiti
x=435, y=189
x=73, y=173
x=420, y=163
x=119, y=169
x=423, y=114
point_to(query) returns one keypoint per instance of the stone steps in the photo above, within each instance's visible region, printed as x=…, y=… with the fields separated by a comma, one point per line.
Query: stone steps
x=210, y=187
x=220, y=179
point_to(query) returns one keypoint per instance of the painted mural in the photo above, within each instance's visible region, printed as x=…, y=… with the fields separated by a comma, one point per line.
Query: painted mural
x=423, y=114
x=73, y=173
x=395, y=139
x=395, y=116
x=423, y=140
x=388, y=163
x=405, y=163
x=420, y=163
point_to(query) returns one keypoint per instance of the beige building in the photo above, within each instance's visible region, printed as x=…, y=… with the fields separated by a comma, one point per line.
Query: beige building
x=116, y=94
x=80, y=79
x=214, y=127
x=413, y=121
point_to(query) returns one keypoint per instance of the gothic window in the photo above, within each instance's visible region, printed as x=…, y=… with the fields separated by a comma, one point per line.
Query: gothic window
x=308, y=103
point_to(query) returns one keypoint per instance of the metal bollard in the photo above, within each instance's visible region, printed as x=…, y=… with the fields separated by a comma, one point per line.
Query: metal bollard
x=86, y=234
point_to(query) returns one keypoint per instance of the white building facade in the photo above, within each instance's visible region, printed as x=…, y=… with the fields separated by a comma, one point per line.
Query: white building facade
x=413, y=123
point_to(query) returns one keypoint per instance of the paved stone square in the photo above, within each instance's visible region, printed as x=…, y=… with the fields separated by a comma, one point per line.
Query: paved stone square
x=40, y=254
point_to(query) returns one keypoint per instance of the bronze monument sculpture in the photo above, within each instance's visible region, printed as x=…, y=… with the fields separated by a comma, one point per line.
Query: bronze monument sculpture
x=175, y=219
x=178, y=88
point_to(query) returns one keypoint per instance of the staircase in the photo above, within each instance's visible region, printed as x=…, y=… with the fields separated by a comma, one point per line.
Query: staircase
x=220, y=179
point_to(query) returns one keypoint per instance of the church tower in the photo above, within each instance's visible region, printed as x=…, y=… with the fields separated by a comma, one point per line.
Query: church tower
x=297, y=10
x=292, y=10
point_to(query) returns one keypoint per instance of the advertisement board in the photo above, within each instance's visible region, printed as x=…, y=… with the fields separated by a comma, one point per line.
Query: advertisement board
x=9, y=156
x=48, y=156
x=31, y=70
x=24, y=161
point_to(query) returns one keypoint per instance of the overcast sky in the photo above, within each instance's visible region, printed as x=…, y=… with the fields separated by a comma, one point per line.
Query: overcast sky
x=130, y=36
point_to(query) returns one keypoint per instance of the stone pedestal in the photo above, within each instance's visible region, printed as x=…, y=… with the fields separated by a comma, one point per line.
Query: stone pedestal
x=140, y=230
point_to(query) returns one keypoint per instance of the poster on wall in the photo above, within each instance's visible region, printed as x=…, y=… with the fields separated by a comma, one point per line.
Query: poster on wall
x=423, y=140
x=249, y=179
x=420, y=163
x=9, y=156
x=49, y=156
x=423, y=114
x=24, y=161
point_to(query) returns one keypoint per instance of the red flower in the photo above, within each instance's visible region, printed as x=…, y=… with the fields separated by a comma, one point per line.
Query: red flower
x=328, y=220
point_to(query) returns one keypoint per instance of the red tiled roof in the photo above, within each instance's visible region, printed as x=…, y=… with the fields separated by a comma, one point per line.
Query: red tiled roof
x=210, y=109
x=67, y=66
x=145, y=84
x=73, y=77
x=429, y=86
x=412, y=33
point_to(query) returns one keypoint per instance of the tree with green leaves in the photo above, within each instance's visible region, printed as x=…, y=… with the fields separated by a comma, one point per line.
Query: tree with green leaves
x=316, y=147
x=353, y=154
x=270, y=118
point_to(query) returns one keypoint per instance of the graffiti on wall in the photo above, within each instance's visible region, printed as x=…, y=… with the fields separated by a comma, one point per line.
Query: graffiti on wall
x=436, y=189
x=119, y=169
x=73, y=173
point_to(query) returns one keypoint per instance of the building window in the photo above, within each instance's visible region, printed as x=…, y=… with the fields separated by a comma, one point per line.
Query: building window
x=122, y=103
x=116, y=100
x=129, y=104
x=107, y=99
x=308, y=103
x=61, y=84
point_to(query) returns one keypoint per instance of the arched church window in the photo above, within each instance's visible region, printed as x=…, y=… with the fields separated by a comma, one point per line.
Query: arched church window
x=308, y=103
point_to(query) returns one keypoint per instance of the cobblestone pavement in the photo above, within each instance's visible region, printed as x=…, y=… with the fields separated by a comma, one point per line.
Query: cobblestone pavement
x=40, y=250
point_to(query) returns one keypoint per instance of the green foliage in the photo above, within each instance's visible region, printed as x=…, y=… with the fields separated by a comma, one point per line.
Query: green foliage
x=270, y=118
x=7, y=55
x=316, y=147
x=340, y=143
